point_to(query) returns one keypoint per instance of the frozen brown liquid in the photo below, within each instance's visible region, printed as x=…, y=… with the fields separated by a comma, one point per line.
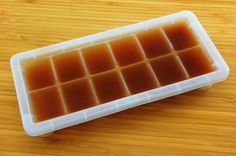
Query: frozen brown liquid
x=78, y=95
x=195, y=62
x=109, y=86
x=68, y=66
x=139, y=78
x=46, y=104
x=126, y=51
x=180, y=35
x=38, y=74
x=168, y=70
x=154, y=43
x=97, y=58
x=109, y=70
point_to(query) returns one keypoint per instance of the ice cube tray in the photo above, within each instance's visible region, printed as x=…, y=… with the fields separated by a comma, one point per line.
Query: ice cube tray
x=83, y=79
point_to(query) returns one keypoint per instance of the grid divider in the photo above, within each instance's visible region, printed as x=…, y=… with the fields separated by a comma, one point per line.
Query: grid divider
x=182, y=66
x=118, y=68
x=88, y=76
x=186, y=49
x=42, y=89
x=167, y=39
x=59, y=86
x=147, y=61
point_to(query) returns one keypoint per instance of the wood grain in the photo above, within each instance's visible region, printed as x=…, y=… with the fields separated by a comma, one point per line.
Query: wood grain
x=200, y=122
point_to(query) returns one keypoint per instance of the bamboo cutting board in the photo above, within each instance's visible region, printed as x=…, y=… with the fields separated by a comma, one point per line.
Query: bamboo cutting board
x=201, y=122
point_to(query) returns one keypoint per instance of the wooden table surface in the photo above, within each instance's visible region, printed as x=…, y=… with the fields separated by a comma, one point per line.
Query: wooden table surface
x=196, y=123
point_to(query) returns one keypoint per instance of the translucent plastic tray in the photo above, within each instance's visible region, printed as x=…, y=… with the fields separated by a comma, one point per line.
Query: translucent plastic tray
x=133, y=97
